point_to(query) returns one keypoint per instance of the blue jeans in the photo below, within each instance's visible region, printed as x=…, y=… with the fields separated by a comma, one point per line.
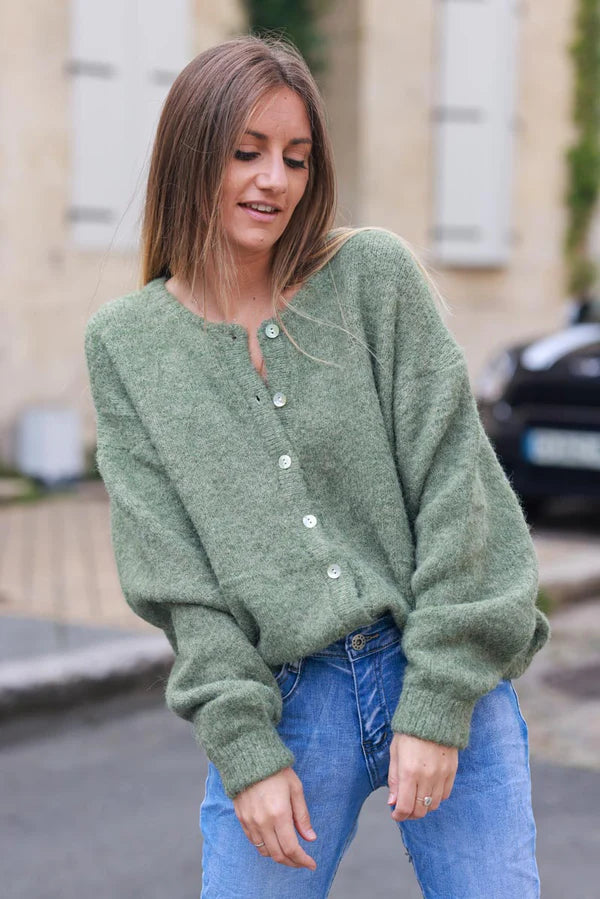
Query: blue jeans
x=337, y=708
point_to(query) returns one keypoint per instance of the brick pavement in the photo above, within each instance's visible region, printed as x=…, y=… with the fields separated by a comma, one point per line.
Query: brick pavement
x=56, y=561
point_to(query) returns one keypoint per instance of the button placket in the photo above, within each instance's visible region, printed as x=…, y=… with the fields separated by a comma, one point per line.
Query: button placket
x=272, y=330
x=293, y=485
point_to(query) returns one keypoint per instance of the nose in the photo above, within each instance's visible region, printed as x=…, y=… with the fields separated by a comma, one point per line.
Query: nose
x=273, y=174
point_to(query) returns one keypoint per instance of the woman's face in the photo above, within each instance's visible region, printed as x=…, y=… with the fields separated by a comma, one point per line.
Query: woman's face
x=269, y=168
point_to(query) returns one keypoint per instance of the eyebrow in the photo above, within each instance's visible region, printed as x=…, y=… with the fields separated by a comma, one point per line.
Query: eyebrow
x=295, y=140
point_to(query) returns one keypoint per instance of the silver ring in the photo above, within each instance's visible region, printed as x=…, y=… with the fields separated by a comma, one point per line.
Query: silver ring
x=426, y=800
x=259, y=844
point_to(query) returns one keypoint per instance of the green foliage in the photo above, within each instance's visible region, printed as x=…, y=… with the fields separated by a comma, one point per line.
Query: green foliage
x=91, y=472
x=582, y=275
x=583, y=158
x=20, y=489
x=545, y=602
x=296, y=20
x=8, y=471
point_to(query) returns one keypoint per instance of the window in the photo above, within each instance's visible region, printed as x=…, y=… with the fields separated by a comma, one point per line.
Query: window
x=474, y=132
x=124, y=56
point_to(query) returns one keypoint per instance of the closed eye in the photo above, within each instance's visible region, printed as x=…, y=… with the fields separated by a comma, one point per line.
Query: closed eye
x=247, y=156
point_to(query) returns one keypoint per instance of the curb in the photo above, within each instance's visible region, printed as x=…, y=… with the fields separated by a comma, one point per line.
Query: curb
x=62, y=679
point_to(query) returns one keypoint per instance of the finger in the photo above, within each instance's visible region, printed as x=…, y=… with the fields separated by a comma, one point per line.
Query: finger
x=393, y=779
x=274, y=848
x=423, y=789
x=291, y=848
x=448, y=786
x=436, y=794
x=254, y=837
x=405, y=803
x=300, y=813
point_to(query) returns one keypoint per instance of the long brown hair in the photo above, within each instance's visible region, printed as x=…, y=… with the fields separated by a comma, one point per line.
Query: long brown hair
x=202, y=120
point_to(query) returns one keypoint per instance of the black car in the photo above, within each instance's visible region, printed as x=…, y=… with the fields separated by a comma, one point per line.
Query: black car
x=539, y=403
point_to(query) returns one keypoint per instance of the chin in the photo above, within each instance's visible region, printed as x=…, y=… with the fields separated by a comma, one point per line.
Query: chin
x=255, y=242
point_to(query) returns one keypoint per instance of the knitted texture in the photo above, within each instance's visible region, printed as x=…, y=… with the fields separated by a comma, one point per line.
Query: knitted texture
x=215, y=483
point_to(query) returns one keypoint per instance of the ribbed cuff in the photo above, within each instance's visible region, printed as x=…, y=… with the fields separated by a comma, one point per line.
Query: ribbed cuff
x=250, y=758
x=433, y=716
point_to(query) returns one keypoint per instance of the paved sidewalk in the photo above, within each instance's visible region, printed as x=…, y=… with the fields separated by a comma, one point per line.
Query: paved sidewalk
x=569, y=564
x=66, y=632
x=559, y=693
x=57, y=562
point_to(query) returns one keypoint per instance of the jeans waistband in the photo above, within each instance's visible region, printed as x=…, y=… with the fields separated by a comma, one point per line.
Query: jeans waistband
x=364, y=640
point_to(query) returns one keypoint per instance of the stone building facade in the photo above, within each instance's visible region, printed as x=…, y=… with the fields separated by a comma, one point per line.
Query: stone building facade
x=382, y=88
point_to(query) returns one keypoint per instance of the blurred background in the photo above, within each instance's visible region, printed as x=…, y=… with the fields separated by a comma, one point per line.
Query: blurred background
x=469, y=127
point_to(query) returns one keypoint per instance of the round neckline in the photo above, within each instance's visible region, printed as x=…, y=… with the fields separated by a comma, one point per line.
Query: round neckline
x=227, y=327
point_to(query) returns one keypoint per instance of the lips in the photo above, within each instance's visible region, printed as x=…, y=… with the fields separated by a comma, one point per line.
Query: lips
x=261, y=218
x=267, y=208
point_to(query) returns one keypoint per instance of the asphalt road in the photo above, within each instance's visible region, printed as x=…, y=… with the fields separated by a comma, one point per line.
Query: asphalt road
x=103, y=802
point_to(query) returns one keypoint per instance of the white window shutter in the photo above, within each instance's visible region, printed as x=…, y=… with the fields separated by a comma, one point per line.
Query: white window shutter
x=160, y=35
x=474, y=126
x=148, y=42
x=98, y=116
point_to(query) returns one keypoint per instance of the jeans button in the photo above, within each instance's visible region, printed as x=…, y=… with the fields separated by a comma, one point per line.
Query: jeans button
x=359, y=641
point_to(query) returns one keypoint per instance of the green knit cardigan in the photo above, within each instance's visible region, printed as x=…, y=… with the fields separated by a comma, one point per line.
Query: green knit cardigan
x=256, y=523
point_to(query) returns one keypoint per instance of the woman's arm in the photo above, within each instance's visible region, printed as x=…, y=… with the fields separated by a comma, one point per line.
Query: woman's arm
x=219, y=681
x=475, y=580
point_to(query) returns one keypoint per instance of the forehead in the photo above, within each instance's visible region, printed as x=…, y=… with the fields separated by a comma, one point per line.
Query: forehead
x=280, y=110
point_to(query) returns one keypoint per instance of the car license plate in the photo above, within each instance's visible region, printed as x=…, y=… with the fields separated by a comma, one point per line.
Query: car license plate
x=569, y=449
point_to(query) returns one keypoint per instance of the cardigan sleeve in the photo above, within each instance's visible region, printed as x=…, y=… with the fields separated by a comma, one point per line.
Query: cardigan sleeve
x=218, y=681
x=473, y=618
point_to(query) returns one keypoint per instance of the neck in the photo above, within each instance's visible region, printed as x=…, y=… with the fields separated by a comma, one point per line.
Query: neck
x=253, y=283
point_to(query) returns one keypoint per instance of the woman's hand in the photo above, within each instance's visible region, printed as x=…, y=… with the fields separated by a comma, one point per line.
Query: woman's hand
x=268, y=811
x=419, y=768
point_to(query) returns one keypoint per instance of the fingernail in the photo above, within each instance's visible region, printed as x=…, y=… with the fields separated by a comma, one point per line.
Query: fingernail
x=311, y=833
x=390, y=799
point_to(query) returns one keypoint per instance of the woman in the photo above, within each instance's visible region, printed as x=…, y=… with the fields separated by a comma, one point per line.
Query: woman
x=304, y=500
